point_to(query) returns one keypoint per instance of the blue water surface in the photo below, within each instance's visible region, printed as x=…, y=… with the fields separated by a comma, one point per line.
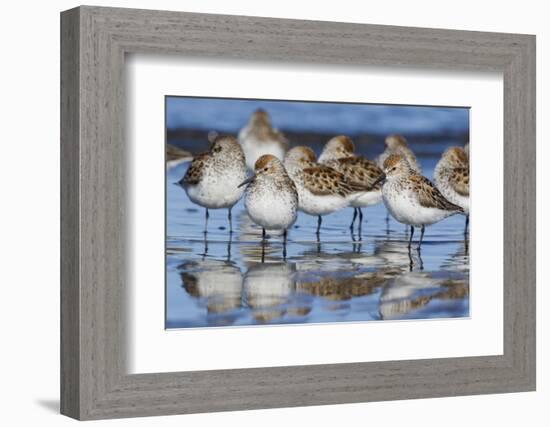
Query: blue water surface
x=229, y=115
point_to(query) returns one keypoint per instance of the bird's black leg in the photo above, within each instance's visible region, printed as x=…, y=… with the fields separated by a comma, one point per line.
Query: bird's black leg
x=467, y=223
x=284, y=244
x=229, y=218
x=229, y=246
x=411, y=237
x=421, y=237
x=206, y=216
x=263, y=244
x=360, y=222
x=319, y=221
x=205, y=232
x=353, y=220
x=205, y=253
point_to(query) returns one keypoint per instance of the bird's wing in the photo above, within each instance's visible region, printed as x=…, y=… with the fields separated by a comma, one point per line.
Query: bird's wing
x=429, y=196
x=323, y=180
x=196, y=169
x=460, y=181
x=359, y=171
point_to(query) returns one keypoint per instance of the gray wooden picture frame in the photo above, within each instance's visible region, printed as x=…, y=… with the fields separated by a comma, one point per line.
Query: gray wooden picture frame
x=94, y=41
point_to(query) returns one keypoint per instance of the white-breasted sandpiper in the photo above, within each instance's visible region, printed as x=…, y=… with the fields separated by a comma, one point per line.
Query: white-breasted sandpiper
x=411, y=198
x=213, y=177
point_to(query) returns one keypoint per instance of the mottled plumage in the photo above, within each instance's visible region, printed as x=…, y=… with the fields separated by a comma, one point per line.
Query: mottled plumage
x=259, y=137
x=323, y=180
x=339, y=154
x=358, y=170
x=411, y=198
x=321, y=189
x=271, y=199
x=452, y=177
x=428, y=195
x=212, y=179
x=460, y=181
x=196, y=169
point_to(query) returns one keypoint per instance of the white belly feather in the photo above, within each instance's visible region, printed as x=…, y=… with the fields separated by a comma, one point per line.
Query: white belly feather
x=366, y=199
x=216, y=191
x=405, y=208
x=273, y=211
x=320, y=205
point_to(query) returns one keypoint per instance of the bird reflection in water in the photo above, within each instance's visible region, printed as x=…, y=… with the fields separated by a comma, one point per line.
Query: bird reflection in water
x=372, y=279
x=415, y=258
x=217, y=284
x=404, y=293
x=356, y=241
x=407, y=294
x=338, y=292
x=459, y=261
x=268, y=251
x=267, y=289
x=228, y=250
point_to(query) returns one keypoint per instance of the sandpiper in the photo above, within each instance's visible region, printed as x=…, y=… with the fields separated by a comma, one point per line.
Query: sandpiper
x=397, y=144
x=339, y=154
x=411, y=198
x=452, y=178
x=271, y=199
x=213, y=177
x=321, y=189
x=258, y=137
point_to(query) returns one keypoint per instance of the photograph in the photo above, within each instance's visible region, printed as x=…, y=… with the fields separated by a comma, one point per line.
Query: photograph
x=270, y=210
x=295, y=212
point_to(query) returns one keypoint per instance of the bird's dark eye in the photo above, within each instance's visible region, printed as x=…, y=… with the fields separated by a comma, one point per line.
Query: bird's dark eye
x=265, y=169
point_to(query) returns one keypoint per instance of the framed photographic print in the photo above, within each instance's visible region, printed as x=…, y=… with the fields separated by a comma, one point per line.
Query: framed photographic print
x=262, y=213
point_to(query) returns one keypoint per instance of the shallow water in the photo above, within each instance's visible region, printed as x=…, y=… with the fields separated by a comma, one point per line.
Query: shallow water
x=221, y=280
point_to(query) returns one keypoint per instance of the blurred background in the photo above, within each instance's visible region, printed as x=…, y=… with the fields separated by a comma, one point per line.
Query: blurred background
x=189, y=121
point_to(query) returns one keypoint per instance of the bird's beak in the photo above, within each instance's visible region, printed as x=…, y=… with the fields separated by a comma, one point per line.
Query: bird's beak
x=379, y=180
x=247, y=181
